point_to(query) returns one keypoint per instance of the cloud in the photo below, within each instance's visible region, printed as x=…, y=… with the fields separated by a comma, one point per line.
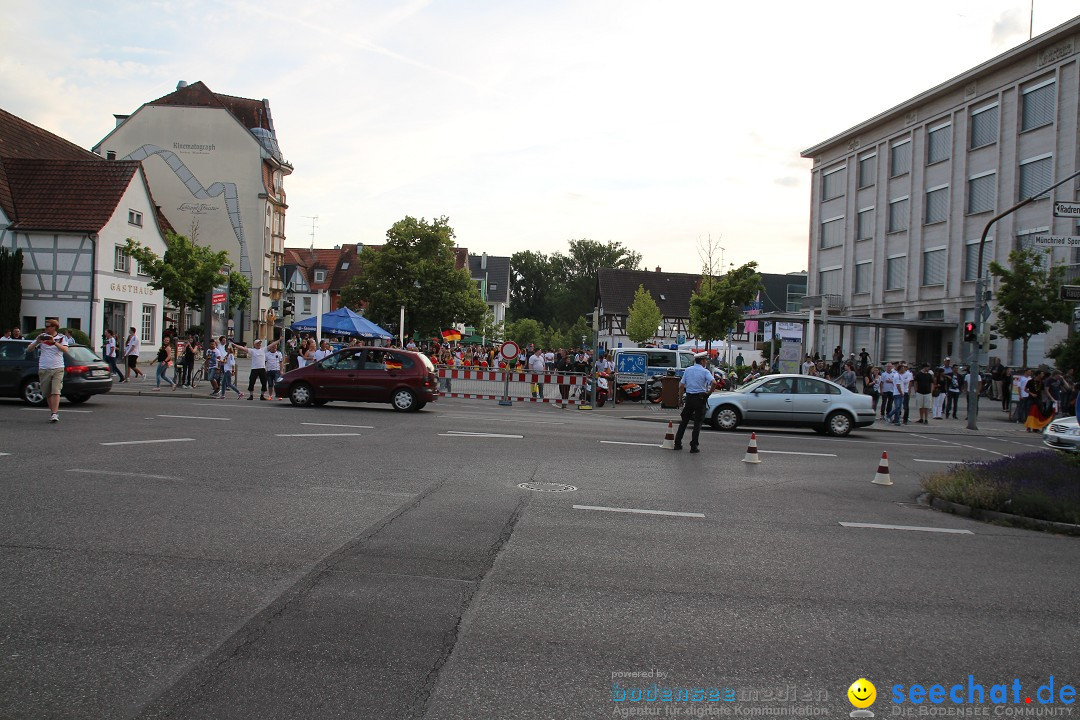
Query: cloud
x=1011, y=28
x=788, y=181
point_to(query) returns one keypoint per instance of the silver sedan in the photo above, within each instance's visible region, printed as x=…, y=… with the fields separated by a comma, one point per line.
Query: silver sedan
x=792, y=400
x=1062, y=434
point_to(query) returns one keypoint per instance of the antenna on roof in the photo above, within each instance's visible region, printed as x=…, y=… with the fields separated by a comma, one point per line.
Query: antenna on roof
x=313, y=219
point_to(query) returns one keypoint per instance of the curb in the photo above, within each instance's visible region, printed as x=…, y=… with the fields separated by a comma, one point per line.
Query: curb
x=994, y=516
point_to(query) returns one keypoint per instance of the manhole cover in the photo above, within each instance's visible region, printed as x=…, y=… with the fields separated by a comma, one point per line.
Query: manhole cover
x=546, y=487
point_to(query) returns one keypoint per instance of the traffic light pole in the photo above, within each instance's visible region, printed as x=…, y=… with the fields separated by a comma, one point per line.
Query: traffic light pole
x=982, y=306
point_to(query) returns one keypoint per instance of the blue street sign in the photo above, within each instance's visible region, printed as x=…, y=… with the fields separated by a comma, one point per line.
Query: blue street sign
x=631, y=363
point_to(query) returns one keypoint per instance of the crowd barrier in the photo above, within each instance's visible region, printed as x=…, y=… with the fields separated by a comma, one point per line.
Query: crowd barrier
x=482, y=384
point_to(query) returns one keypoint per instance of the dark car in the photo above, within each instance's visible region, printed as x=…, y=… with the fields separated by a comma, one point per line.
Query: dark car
x=85, y=374
x=402, y=378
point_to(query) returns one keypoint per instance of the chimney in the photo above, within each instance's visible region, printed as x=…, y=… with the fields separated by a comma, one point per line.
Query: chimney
x=182, y=84
x=483, y=261
x=657, y=268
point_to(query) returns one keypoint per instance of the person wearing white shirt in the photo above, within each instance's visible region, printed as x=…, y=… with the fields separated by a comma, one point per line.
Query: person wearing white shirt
x=273, y=367
x=906, y=378
x=51, y=365
x=109, y=351
x=886, y=384
x=537, y=365
x=258, y=368
x=807, y=366
x=324, y=351
x=131, y=356
x=549, y=360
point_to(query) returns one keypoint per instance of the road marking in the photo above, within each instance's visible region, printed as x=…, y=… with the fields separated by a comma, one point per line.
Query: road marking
x=638, y=511
x=791, y=452
x=943, y=462
x=368, y=427
x=193, y=417
x=617, y=442
x=148, y=442
x=45, y=409
x=318, y=435
x=970, y=447
x=230, y=405
x=907, y=527
x=122, y=474
x=459, y=433
x=4, y=454
x=499, y=419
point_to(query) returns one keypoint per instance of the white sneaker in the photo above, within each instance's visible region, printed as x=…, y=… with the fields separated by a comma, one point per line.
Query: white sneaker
x=54, y=418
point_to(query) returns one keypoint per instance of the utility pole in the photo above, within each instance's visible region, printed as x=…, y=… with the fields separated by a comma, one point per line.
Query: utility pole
x=982, y=304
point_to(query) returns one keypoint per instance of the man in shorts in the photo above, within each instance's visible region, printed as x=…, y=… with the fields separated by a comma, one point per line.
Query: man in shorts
x=924, y=388
x=51, y=365
x=131, y=356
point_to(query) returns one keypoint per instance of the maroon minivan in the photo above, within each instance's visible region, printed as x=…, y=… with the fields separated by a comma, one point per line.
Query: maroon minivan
x=402, y=378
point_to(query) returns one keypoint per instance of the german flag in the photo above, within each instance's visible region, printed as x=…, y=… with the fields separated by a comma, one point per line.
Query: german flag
x=451, y=335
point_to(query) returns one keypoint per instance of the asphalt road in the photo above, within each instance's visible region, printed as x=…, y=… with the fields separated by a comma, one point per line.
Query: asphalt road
x=195, y=558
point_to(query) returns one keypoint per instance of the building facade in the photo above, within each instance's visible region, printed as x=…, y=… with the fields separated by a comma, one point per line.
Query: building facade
x=900, y=201
x=71, y=213
x=214, y=164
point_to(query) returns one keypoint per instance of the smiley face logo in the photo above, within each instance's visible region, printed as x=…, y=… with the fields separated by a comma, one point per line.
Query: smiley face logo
x=862, y=693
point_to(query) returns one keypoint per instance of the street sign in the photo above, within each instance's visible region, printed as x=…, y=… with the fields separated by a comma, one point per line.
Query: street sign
x=1067, y=209
x=510, y=350
x=1041, y=240
x=631, y=366
x=217, y=298
x=1070, y=292
x=984, y=312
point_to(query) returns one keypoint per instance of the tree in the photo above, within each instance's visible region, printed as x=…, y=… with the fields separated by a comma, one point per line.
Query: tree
x=525, y=331
x=717, y=305
x=1028, y=296
x=415, y=269
x=490, y=330
x=11, y=264
x=533, y=285
x=1066, y=354
x=644, y=316
x=188, y=272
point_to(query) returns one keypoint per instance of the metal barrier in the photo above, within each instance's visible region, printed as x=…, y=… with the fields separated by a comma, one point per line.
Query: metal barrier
x=489, y=385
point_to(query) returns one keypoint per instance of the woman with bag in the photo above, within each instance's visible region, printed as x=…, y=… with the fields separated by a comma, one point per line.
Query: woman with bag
x=163, y=360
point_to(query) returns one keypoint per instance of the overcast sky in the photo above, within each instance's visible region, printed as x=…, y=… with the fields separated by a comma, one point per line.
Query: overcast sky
x=652, y=123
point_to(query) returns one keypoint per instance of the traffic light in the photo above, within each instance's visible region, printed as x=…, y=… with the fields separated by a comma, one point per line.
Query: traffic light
x=969, y=332
x=990, y=338
x=286, y=308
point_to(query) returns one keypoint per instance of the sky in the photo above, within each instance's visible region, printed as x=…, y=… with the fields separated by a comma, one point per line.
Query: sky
x=662, y=125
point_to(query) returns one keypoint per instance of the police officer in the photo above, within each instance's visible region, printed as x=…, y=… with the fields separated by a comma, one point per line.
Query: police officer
x=697, y=383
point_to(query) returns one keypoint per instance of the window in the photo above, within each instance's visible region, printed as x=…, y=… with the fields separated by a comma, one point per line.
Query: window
x=1036, y=174
x=147, y=334
x=896, y=272
x=900, y=158
x=809, y=386
x=493, y=286
x=74, y=323
x=344, y=266
x=865, y=229
x=971, y=258
x=110, y=154
x=120, y=260
x=937, y=204
x=938, y=144
x=898, y=215
x=307, y=305
x=867, y=170
x=863, y=276
x=29, y=322
x=830, y=281
x=982, y=192
x=832, y=232
x=1039, y=103
x=984, y=126
x=141, y=269
x=933, y=266
x=832, y=183
x=320, y=276
x=135, y=218
x=1026, y=240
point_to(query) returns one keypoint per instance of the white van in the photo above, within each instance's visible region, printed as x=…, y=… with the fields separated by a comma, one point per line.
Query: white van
x=660, y=359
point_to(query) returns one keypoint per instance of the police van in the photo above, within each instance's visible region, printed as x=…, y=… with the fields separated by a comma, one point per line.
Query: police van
x=659, y=360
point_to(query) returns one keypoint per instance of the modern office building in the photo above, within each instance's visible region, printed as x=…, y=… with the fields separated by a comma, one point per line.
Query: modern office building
x=215, y=166
x=899, y=201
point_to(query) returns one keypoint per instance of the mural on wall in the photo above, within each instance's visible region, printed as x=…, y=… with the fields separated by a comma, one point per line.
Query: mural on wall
x=227, y=189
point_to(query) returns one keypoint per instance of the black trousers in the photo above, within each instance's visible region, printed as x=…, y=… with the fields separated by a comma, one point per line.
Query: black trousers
x=693, y=408
x=259, y=373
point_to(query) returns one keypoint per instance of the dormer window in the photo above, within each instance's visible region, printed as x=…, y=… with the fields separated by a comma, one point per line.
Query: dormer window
x=344, y=266
x=320, y=276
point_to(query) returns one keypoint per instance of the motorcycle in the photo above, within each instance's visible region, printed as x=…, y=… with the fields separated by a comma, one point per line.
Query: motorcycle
x=627, y=391
x=602, y=387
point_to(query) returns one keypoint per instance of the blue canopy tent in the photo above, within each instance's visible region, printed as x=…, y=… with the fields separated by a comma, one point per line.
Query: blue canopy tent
x=343, y=321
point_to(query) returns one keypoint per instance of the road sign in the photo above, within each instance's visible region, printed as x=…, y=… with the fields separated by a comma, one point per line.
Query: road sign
x=1067, y=209
x=510, y=350
x=632, y=366
x=1070, y=292
x=1041, y=240
x=217, y=298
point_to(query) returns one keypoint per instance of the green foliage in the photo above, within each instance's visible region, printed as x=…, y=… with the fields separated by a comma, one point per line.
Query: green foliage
x=1027, y=296
x=644, y=317
x=11, y=264
x=239, y=290
x=487, y=328
x=718, y=304
x=580, y=329
x=79, y=336
x=1066, y=354
x=187, y=272
x=525, y=331
x=415, y=269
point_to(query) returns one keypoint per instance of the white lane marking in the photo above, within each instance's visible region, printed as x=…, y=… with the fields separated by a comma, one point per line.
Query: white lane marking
x=318, y=435
x=943, y=462
x=458, y=433
x=952, y=531
x=45, y=409
x=368, y=427
x=122, y=474
x=499, y=419
x=194, y=417
x=231, y=405
x=639, y=511
x=970, y=447
x=791, y=452
x=4, y=454
x=149, y=442
x=618, y=442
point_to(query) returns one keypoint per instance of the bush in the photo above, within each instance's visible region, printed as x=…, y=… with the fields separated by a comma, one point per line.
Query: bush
x=1042, y=485
x=80, y=337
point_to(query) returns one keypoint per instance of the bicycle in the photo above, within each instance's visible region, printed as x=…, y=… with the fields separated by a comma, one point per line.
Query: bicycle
x=197, y=377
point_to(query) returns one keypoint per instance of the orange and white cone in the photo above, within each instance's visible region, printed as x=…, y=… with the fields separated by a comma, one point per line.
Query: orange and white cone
x=669, y=439
x=882, y=477
x=751, y=450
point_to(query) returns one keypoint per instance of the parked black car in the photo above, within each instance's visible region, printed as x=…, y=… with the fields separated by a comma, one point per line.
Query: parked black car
x=85, y=374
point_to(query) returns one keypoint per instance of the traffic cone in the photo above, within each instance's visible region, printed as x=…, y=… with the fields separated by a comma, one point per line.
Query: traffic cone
x=751, y=450
x=669, y=439
x=882, y=477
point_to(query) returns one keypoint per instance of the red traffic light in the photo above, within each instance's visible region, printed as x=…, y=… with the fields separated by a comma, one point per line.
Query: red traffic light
x=969, y=332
